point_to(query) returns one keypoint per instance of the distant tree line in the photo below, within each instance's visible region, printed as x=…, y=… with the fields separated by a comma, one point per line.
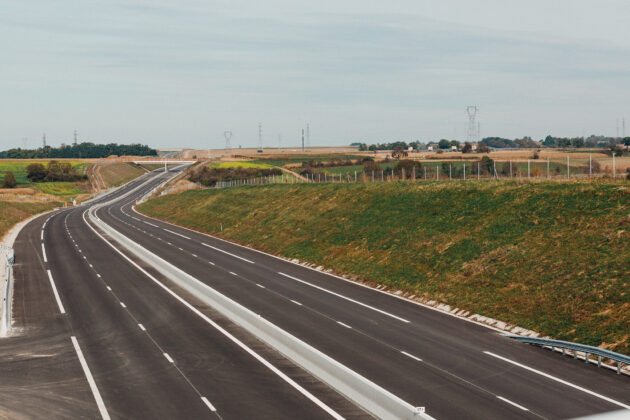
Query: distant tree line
x=54, y=171
x=210, y=176
x=80, y=151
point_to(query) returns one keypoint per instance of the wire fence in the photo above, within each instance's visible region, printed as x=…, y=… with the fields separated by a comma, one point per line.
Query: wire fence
x=484, y=169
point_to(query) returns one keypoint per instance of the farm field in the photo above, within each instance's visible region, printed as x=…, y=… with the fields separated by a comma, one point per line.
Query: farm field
x=18, y=167
x=549, y=256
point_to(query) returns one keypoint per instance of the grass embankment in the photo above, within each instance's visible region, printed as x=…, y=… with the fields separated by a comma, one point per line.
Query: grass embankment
x=549, y=256
x=118, y=173
x=12, y=212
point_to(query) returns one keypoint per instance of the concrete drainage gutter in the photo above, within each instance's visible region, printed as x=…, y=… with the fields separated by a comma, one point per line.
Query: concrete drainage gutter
x=366, y=394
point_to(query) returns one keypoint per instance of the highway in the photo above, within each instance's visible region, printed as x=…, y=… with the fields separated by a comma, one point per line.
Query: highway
x=155, y=351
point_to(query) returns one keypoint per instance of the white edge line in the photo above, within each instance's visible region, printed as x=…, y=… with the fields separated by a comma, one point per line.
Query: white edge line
x=90, y=379
x=178, y=234
x=513, y=403
x=345, y=297
x=562, y=381
x=210, y=406
x=150, y=224
x=54, y=288
x=42, y=235
x=44, y=253
x=412, y=356
x=236, y=341
x=228, y=253
x=356, y=283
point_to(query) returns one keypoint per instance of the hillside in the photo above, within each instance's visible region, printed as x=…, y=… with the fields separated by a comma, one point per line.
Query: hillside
x=552, y=257
x=12, y=212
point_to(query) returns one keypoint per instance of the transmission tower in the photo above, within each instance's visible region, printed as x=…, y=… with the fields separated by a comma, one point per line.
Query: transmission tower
x=473, y=133
x=44, y=140
x=308, y=136
x=260, y=137
x=228, y=144
x=302, y=140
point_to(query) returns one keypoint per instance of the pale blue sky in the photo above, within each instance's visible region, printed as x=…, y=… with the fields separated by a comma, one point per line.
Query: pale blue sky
x=180, y=73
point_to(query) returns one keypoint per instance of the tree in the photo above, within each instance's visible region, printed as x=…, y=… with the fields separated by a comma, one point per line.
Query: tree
x=626, y=141
x=444, y=144
x=577, y=142
x=36, y=172
x=482, y=148
x=399, y=152
x=455, y=143
x=467, y=148
x=549, y=141
x=371, y=165
x=408, y=165
x=9, y=180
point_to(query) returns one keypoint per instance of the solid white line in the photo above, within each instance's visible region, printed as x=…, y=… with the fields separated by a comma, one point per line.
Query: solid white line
x=44, y=253
x=296, y=302
x=233, y=273
x=345, y=297
x=412, y=356
x=512, y=403
x=178, y=234
x=123, y=305
x=211, y=263
x=345, y=325
x=168, y=358
x=142, y=327
x=562, y=381
x=260, y=285
x=150, y=224
x=54, y=288
x=235, y=340
x=90, y=379
x=228, y=253
x=210, y=406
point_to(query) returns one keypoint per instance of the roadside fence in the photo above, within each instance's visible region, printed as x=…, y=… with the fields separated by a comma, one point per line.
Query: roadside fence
x=484, y=169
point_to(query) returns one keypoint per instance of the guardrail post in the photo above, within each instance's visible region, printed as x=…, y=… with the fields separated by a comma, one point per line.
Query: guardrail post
x=618, y=368
x=599, y=361
x=575, y=354
x=586, y=355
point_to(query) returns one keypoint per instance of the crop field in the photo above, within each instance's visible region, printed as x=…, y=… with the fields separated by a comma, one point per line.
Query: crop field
x=242, y=164
x=550, y=256
x=61, y=188
x=18, y=167
x=298, y=159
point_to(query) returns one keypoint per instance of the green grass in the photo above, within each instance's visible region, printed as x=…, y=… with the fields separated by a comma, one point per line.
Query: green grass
x=549, y=256
x=241, y=164
x=19, y=169
x=60, y=188
x=12, y=212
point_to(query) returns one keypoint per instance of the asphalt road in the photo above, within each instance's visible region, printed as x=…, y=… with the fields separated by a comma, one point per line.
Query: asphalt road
x=454, y=368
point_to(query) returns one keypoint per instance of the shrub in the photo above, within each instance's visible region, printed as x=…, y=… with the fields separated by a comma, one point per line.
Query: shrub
x=408, y=165
x=9, y=180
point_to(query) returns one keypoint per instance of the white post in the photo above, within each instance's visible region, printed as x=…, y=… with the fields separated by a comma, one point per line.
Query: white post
x=510, y=169
x=355, y=176
x=614, y=171
x=464, y=172
x=527, y=168
x=450, y=172
x=437, y=173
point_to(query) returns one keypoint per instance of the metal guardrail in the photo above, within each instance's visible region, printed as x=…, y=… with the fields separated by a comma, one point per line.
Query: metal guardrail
x=5, y=316
x=576, y=347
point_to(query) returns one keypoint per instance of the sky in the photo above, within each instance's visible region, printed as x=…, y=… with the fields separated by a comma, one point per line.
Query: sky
x=179, y=74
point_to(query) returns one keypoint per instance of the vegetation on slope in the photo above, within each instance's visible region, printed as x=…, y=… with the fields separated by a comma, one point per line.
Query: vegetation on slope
x=12, y=212
x=549, y=256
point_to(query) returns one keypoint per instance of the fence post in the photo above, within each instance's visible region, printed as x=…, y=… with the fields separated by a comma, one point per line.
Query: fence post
x=590, y=166
x=382, y=175
x=450, y=172
x=355, y=176
x=568, y=168
x=510, y=169
x=464, y=172
x=437, y=173
x=547, y=167
x=372, y=176
x=414, y=171
x=614, y=174
x=478, y=168
x=528, y=169
x=425, y=173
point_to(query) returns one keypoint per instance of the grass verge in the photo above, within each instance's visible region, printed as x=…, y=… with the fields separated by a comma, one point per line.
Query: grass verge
x=549, y=256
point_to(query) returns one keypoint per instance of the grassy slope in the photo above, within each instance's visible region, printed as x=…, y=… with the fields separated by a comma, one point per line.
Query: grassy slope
x=12, y=212
x=118, y=173
x=554, y=257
